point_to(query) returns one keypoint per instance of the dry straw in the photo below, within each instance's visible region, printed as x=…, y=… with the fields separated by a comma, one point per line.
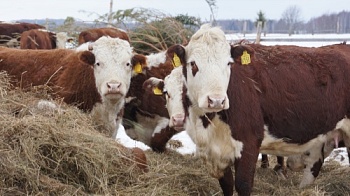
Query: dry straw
x=55, y=150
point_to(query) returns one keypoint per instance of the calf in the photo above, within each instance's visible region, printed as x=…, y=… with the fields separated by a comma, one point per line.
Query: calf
x=42, y=39
x=95, y=81
x=91, y=35
x=146, y=118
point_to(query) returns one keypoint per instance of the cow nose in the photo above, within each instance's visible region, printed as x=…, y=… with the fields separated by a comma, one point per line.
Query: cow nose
x=113, y=87
x=216, y=101
x=178, y=120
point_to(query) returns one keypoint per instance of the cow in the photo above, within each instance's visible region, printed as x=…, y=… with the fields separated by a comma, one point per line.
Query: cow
x=91, y=35
x=96, y=81
x=42, y=39
x=12, y=31
x=283, y=100
x=146, y=117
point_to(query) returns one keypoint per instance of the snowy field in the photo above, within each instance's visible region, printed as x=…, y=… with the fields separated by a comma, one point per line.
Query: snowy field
x=188, y=147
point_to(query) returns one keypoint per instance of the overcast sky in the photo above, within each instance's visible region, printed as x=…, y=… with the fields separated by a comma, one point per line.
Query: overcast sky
x=12, y=10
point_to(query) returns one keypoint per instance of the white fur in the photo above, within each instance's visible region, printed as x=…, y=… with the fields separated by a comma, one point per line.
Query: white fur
x=173, y=85
x=210, y=51
x=61, y=39
x=154, y=60
x=112, y=65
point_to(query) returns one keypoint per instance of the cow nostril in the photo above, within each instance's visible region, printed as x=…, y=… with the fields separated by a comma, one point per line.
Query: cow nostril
x=223, y=102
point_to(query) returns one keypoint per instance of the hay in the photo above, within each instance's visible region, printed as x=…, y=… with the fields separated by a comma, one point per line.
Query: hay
x=58, y=152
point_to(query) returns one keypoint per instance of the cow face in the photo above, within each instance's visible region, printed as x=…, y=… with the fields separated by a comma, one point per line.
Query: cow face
x=208, y=69
x=172, y=88
x=112, y=68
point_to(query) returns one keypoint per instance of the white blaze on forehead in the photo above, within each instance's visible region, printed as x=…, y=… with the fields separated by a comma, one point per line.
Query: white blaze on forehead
x=173, y=85
x=210, y=51
x=113, y=64
x=154, y=60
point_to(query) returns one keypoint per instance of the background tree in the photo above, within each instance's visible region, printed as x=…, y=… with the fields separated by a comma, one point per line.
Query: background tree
x=292, y=17
x=213, y=8
x=152, y=31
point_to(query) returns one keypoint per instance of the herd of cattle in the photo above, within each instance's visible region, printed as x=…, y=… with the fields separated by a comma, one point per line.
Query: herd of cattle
x=234, y=100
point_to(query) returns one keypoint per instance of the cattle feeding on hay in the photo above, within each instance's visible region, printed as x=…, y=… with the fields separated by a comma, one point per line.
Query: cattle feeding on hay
x=42, y=39
x=91, y=35
x=283, y=100
x=96, y=81
x=145, y=116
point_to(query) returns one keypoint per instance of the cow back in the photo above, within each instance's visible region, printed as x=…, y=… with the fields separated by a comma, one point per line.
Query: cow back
x=92, y=35
x=37, y=39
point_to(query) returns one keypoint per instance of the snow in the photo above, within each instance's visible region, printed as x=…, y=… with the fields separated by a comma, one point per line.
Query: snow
x=189, y=147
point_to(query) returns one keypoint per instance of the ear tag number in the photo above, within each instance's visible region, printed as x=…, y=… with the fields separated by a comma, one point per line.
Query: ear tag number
x=157, y=91
x=245, y=58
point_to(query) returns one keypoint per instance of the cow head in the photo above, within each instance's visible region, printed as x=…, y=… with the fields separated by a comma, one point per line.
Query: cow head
x=112, y=68
x=208, y=68
x=172, y=88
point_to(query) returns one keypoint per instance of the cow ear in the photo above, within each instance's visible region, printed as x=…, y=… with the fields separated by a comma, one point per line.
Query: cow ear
x=138, y=63
x=177, y=54
x=154, y=85
x=242, y=54
x=87, y=57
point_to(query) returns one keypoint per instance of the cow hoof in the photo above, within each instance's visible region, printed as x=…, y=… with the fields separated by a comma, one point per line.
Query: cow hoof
x=281, y=171
x=140, y=159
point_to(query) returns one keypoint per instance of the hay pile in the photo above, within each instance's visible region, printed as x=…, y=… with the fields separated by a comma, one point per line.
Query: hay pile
x=59, y=152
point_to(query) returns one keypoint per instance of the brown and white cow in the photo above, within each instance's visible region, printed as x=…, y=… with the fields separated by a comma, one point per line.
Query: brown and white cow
x=146, y=117
x=96, y=80
x=43, y=39
x=282, y=102
x=91, y=35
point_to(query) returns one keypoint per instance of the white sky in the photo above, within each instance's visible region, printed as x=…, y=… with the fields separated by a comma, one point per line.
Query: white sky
x=12, y=10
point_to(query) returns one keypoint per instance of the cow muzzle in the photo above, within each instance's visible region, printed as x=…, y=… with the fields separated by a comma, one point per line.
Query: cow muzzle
x=178, y=121
x=216, y=102
x=113, y=87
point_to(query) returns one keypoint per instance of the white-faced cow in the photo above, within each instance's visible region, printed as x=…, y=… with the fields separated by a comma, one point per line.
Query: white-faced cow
x=91, y=35
x=282, y=101
x=43, y=39
x=95, y=80
x=146, y=118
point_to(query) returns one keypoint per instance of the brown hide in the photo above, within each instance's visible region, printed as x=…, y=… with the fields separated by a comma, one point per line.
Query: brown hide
x=92, y=35
x=298, y=92
x=15, y=29
x=37, y=39
x=70, y=73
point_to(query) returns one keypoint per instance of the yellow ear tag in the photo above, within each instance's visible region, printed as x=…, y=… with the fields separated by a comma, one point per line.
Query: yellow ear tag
x=176, y=61
x=157, y=91
x=245, y=58
x=138, y=68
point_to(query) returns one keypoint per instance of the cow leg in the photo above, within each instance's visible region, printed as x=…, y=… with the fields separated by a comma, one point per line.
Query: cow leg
x=280, y=168
x=313, y=163
x=244, y=171
x=226, y=182
x=264, y=161
x=160, y=139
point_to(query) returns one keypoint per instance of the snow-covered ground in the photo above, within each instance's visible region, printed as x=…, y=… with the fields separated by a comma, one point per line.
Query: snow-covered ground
x=188, y=147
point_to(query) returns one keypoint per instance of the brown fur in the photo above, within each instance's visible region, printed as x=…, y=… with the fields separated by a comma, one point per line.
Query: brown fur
x=70, y=73
x=15, y=29
x=92, y=35
x=36, y=39
x=298, y=92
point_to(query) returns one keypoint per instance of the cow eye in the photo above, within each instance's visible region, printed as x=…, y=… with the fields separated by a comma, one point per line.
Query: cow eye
x=97, y=64
x=194, y=68
x=128, y=64
x=166, y=94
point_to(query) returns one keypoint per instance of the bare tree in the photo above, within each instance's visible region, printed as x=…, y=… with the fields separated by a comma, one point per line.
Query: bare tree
x=213, y=8
x=292, y=17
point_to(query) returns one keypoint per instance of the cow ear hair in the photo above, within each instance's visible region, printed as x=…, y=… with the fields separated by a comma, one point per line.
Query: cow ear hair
x=154, y=85
x=177, y=53
x=87, y=57
x=238, y=50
